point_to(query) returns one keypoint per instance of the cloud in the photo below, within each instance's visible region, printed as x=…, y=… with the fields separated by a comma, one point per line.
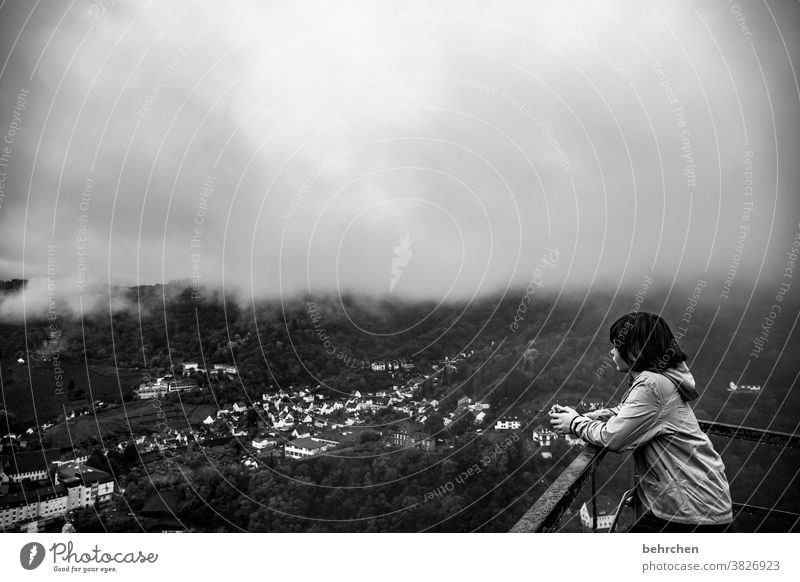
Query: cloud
x=281, y=149
x=44, y=298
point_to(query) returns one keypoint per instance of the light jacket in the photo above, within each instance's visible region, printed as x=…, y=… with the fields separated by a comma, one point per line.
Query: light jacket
x=681, y=477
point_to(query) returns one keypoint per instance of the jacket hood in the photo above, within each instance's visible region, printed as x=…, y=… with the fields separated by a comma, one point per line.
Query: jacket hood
x=683, y=380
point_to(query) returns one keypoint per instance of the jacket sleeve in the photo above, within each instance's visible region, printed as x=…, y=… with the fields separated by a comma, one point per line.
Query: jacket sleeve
x=632, y=426
x=603, y=413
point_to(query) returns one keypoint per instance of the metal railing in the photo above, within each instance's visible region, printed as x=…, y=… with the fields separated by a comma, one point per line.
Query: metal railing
x=545, y=515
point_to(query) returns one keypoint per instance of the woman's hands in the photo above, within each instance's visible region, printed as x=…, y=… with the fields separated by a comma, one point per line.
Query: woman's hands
x=561, y=418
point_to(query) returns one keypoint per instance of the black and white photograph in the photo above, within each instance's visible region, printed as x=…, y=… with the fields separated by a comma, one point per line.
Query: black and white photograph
x=369, y=267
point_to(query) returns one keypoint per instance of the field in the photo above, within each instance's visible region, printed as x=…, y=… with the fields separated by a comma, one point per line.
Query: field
x=133, y=418
x=29, y=392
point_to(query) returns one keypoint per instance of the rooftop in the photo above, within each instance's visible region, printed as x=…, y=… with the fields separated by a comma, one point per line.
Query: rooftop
x=305, y=443
x=30, y=461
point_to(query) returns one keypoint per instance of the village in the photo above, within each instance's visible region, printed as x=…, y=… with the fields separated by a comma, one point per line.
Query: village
x=285, y=424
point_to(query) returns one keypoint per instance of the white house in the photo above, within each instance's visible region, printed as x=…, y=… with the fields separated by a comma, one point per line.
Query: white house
x=225, y=368
x=604, y=520
x=508, y=423
x=190, y=367
x=304, y=447
x=574, y=441
x=543, y=436
x=301, y=431
x=263, y=443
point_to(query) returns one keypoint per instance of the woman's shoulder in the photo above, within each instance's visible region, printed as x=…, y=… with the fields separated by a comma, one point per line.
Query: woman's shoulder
x=648, y=377
x=652, y=381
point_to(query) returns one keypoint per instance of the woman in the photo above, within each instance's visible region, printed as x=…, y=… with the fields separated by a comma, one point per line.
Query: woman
x=681, y=484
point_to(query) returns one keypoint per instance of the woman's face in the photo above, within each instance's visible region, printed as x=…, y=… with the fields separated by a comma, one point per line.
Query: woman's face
x=618, y=361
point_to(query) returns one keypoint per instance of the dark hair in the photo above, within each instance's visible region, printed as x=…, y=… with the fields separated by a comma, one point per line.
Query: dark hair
x=645, y=342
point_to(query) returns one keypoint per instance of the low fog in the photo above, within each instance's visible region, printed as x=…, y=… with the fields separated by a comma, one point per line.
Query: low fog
x=417, y=151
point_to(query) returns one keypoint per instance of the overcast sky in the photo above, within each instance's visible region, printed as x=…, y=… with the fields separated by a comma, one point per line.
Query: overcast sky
x=418, y=151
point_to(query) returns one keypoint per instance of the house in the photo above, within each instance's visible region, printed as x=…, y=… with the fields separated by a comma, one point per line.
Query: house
x=225, y=369
x=208, y=420
x=480, y=417
x=76, y=486
x=412, y=436
x=31, y=465
x=190, y=368
x=543, y=436
x=464, y=401
x=604, y=519
x=380, y=402
x=301, y=431
x=744, y=388
x=304, y=447
x=591, y=405
x=239, y=407
x=263, y=443
x=508, y=423
x=163, y=386
x=574, y=441
x=330, y=437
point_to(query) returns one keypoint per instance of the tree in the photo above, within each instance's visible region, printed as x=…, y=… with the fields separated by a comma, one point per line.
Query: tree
x=251, y=417
x=460, y=424
x=97, y=460
x=369, y=435
x=434, y=423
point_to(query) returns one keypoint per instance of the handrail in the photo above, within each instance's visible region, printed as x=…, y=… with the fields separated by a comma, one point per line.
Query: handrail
x=545, y=514
x=745, y=433
x=548, y=509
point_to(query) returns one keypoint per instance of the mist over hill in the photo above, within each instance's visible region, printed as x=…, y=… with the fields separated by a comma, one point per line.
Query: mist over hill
x=528, y=348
